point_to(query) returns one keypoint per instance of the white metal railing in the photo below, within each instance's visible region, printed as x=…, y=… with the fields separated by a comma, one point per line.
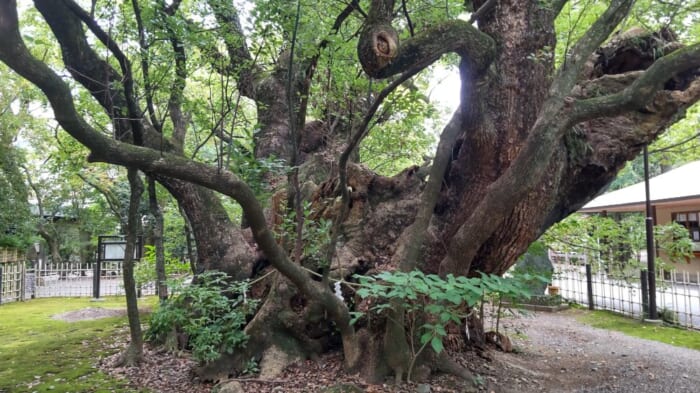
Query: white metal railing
x=64, y=279
x=677, y=295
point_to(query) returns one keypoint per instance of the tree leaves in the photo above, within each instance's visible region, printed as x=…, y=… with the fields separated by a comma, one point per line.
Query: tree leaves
x=211, y=312
x=615, y=243
x=15, y=220
x=436, y=300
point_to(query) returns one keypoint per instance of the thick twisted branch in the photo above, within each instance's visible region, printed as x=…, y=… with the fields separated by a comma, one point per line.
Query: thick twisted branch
x=241, y=62
x=85, y=66
x=178, y=118
x=567, y=75
x=133, y=111
x=424, y=49
x=143, y=44
x=642, y=90
x=528, y=168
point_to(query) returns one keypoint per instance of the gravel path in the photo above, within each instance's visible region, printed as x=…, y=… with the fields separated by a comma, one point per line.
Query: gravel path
x=556, y=353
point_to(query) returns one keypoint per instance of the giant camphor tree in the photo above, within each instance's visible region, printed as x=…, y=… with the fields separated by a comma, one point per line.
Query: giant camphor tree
x=535, y=135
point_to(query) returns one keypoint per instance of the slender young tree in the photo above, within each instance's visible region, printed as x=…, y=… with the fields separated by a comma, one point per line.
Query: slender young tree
x=133, y=355
x=157, y=231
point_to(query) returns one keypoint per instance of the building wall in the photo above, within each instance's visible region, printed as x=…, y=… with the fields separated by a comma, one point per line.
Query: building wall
x=663, y=216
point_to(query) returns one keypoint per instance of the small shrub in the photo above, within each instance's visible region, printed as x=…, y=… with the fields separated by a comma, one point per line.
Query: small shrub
x=251, y=367
x=668, y=315
x=210, y=314
x=430, y=302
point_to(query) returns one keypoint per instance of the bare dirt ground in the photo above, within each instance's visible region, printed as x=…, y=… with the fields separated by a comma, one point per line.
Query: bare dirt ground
x=552, y=353
x=89, y=313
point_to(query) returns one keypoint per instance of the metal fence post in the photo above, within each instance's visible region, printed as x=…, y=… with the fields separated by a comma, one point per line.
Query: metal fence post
x=31, y=282
x=643, y=277
x=589, y=286
x=0, y=284
x=22, y=280
x=96, y=271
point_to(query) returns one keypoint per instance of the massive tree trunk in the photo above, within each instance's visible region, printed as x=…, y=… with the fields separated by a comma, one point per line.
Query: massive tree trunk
x=505, y=117
x=529, y=144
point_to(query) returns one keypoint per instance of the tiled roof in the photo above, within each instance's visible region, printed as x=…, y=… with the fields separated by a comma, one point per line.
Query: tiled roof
x=682, y=183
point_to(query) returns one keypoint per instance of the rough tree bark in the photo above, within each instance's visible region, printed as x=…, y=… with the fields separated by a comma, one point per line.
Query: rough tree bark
x=529, y=144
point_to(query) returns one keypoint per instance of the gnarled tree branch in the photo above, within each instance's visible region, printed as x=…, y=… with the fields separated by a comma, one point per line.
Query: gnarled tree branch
x=424, y=48
x=133, y=111
x=145, y=69
x=642, y=90
x=86, y=67
x=529, y=166
x=241, y=62
x=568, y=73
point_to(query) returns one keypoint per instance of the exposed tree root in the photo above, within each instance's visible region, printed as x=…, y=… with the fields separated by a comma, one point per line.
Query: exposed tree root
x=500, y=340
x=274, y=361
x=446, y=364
x=131, y=357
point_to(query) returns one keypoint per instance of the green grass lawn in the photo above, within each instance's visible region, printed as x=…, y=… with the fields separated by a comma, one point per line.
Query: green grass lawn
x=633, y=327
x=40, y=354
